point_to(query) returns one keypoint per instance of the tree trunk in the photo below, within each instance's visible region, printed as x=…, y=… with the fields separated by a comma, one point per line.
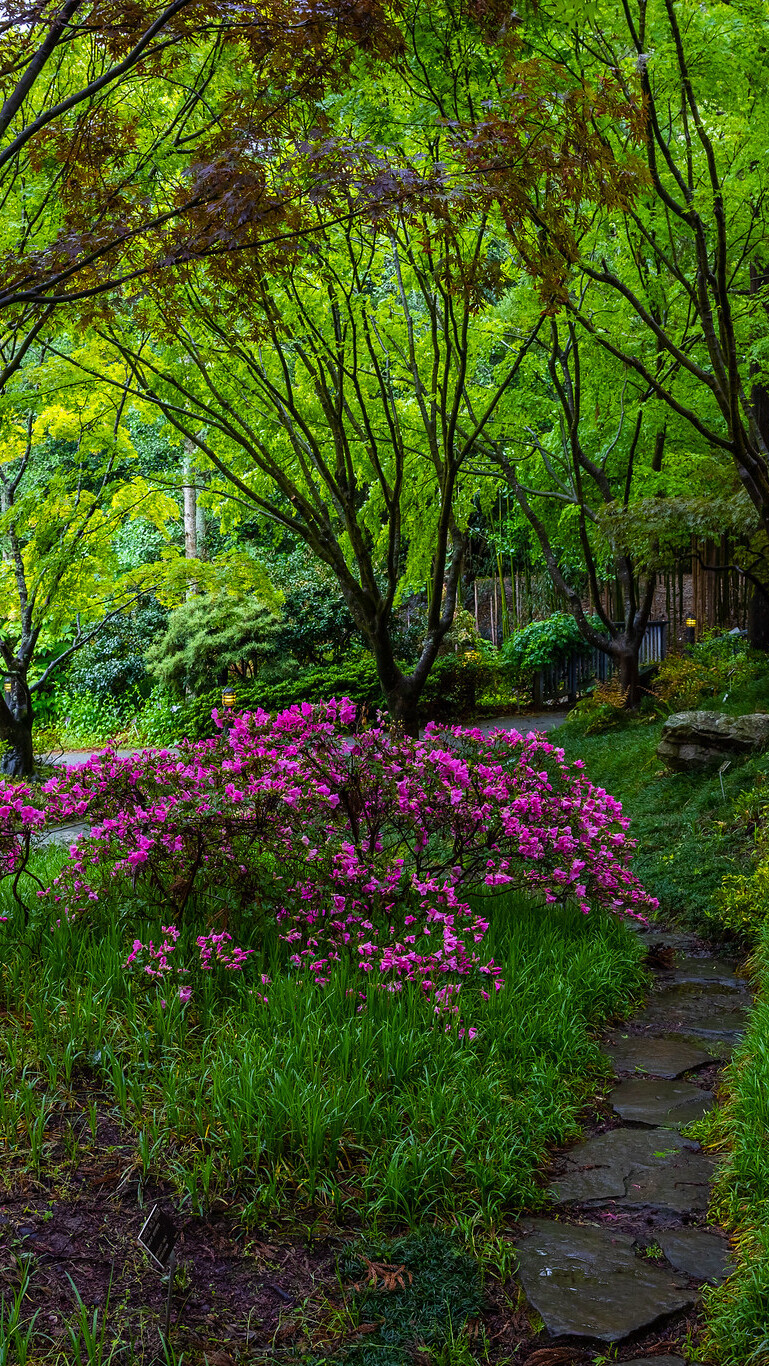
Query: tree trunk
x=629, y=676
x=404, y=709
x=17, y=759
x=758, y=620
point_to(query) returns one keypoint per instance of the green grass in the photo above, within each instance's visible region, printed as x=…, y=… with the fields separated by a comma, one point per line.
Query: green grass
x=306, y=1103
x=684, y=823
x=738, y=1312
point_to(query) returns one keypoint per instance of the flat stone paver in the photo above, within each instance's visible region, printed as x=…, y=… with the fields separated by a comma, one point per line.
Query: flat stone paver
x=629, y=1168
x=664, y=1103
x=655, y=1361
x=586, y=1281
x=697, y=1253
x=715, y=971
x=701, y=1010
x=591, y=1280
x=664, y=1057
x=721, y=1046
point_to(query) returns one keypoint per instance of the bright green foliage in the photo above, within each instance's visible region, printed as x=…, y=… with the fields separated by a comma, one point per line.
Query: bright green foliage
x=66, y=486
x=654, y=289
x=743, y=898
x=541, y=643
x=209, y=636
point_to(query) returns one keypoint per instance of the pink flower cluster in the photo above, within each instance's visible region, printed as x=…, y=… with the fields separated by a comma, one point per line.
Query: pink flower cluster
x=365, y=847
x=214, y=949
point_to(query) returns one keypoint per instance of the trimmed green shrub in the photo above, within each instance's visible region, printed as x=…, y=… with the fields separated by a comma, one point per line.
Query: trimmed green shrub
x=356, y=679
x=539, y=644
x=209, y=635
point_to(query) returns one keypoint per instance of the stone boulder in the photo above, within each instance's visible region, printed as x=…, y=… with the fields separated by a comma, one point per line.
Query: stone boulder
x=696, y=739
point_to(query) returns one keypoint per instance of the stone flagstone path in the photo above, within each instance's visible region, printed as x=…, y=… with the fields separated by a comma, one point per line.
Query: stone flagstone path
x=628, y=1248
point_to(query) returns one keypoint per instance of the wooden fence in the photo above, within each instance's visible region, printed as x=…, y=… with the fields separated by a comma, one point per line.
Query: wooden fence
x=573, y=675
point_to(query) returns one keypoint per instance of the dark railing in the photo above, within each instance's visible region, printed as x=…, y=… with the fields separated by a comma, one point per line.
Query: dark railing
x=572, y=676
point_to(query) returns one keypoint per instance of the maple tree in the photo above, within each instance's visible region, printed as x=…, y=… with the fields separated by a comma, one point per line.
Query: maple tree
x=341, y=389
x=574, y=458
x=132, y=138
x=136, y=138
x=672, y=283
x=342, y=403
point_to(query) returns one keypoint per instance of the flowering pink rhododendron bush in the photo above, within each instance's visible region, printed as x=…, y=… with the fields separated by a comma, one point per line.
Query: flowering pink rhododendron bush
x=362, y=847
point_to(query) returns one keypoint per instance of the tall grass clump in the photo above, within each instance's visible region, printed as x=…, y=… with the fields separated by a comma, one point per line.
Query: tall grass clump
x=305, y=1096
x=737, y=1319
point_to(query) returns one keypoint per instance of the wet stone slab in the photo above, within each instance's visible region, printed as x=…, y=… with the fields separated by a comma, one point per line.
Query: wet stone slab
x=586, y=1281
x=655, y=1361
x=714, y=971
x=660, y=1057
x=720, y=1046
x=665, y=1103
x=697, y=1253
x=631, y=1168
x=701, y=1010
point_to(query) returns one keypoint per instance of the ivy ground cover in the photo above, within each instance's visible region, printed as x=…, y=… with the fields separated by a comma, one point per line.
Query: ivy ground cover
x=311, y=977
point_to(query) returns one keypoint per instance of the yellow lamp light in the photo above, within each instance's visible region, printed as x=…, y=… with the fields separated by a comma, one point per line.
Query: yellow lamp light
x=691, y=622
x=229, y=698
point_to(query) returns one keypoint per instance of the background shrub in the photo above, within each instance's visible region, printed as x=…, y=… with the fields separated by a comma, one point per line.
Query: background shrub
x=713, y=666
x=541, y=643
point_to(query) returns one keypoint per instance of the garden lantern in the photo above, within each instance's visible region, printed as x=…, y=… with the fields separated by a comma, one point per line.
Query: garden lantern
x=229, y=698
x=8, y=689
x=691, y=626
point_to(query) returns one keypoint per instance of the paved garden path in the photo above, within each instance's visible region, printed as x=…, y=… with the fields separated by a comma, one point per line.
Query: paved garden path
x=627, y=1248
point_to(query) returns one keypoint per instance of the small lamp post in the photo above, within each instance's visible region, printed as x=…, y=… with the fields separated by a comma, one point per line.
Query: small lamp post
x=8, y=693
x=691, y=627
x=229, y=698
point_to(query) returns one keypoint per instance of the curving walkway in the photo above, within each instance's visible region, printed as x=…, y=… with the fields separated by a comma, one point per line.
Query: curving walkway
x=627, y=1249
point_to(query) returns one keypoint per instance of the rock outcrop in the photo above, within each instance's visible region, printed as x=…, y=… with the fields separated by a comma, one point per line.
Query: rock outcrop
x=696, y=739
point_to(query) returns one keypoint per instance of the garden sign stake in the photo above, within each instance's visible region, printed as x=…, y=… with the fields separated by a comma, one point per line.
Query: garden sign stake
x=158, y=1238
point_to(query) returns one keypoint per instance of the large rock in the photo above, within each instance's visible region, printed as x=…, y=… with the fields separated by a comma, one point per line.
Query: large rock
x=694, y=739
